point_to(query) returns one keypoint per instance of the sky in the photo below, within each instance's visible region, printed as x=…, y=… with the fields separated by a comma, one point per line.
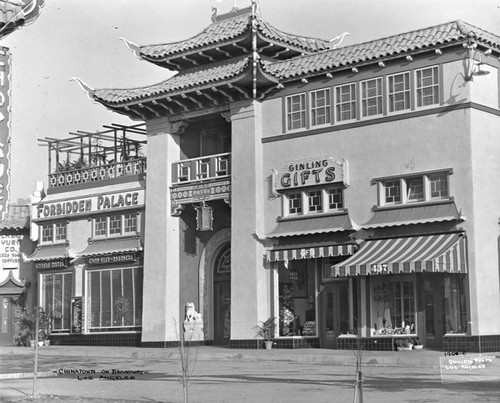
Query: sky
x=80, y=38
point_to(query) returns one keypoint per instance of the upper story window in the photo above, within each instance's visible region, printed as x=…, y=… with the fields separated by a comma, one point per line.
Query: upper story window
x=296, y=112
x=399, y=92
x=313, y=201
x=345, y=102
x=320, y=107
x=53, y=232
x=427, y=86
x=115, y=225
x=414, y=188
x=371, y=97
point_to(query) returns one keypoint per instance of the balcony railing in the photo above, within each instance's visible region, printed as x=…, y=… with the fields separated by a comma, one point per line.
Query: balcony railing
x=98, y=173
x=201, y=169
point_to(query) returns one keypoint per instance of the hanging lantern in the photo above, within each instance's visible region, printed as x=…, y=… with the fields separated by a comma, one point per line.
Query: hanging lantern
x=204, y=218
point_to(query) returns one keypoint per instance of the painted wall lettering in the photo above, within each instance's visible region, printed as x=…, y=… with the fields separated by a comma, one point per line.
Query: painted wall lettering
x=91, y=204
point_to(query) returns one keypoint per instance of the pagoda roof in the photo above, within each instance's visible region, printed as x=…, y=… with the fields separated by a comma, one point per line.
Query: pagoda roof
x=229, y=35
x=202, y=86
x=409, y=43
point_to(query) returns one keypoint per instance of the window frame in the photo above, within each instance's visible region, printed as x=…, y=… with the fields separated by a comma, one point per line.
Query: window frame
x=409, y=90
x=305, y=201
x=437, y=85
x=106, y=230
x=378, y=96
x=404, y=180
x=303, y=112
x=353, y=102
x=65, y=303
x=55, y=233
x=327, y=108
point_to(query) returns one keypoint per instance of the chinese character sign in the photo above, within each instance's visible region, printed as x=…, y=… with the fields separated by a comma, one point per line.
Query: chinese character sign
x=4, y=128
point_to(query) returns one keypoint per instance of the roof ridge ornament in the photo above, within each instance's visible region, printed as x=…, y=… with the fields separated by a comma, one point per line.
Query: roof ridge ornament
x=90, y=91
x=339, y=38
x=132, y=46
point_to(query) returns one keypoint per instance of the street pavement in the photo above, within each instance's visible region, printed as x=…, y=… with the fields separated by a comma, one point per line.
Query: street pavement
x=123, y=374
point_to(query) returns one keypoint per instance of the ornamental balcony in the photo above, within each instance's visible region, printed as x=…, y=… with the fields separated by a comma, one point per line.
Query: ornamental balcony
x=97, y=173
x=198, y=181
x=201, y=169
x=85, y=159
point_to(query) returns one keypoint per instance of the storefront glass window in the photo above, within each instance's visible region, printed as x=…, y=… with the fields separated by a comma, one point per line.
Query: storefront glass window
x=56, y=299
x=393, y=305
x=455, y=304
x=115, y=299
x=297, y=307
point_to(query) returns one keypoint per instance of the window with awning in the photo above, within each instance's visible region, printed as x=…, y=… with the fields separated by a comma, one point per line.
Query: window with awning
x=442, y=253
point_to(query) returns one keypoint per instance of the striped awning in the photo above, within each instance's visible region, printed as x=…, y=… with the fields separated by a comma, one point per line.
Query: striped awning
x=310, y=252
x=444, y=253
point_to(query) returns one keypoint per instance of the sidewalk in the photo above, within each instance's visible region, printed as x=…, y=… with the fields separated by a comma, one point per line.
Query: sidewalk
x=415, y=358
x=71, y=373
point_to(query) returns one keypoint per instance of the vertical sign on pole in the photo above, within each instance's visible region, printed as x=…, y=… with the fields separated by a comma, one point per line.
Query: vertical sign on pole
x=4, y=129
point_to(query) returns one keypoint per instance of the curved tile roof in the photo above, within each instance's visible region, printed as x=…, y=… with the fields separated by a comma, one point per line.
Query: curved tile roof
x=302, y=42
x=455, y=31
x=188, y=79
x=227, y=29
x=16, y=217
x=217, y=32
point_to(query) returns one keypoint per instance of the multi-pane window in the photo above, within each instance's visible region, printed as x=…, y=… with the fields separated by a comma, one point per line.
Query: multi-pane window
x=294, y=203
x=427, y=86
x=335, y=198
x=296, y=112
x=399, y=92
x=414, y=188
x=315, y=202
x=114, y=299
x=130, y=222
x=56, y=299
x=371, y=97
x=345, y=102
x=320, y=107
x=54, y=232
x=439, y=186
x=101, y=226
x=117, y=224
x=392, y=191
x=393, y=305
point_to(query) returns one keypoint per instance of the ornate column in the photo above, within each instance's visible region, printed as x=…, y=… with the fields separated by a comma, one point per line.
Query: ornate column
x=162, y=315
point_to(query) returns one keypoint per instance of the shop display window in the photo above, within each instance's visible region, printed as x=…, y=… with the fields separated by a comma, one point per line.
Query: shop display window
x=56, y=299
x=455, y=316
x=393, y=305
x=297, y=298
x=114, y=299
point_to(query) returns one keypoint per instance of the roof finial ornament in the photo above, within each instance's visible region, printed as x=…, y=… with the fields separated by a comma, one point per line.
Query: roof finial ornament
x=85, y=87
x=132, y=46
x=214, y=14
x=339, y=39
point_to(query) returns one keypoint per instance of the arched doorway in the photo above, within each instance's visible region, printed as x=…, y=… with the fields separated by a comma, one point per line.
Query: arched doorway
x=222, y=294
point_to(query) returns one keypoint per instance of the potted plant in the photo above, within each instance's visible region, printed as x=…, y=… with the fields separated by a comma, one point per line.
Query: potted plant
x=44, y=327
x=418, y=345
x=266, y=331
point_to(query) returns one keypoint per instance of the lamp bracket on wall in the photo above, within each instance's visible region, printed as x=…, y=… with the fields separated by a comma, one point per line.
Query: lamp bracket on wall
x=474, y=64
